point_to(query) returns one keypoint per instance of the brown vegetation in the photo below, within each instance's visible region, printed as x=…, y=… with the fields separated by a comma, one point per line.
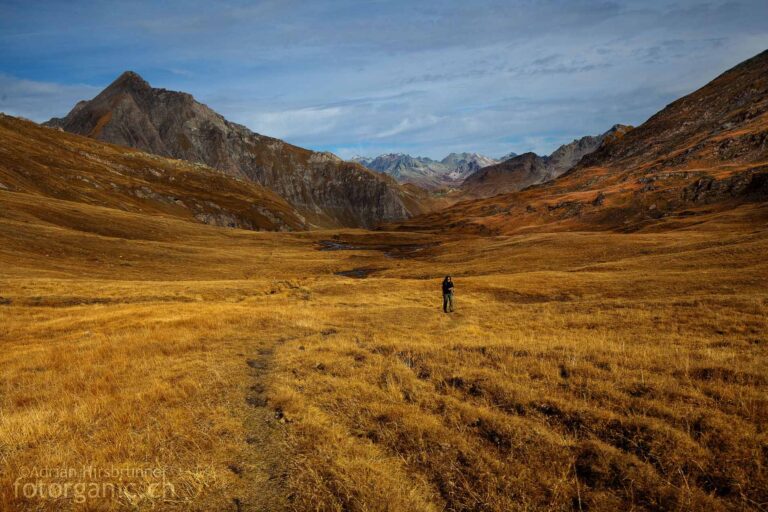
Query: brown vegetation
x=44, y=162
x=582, y=371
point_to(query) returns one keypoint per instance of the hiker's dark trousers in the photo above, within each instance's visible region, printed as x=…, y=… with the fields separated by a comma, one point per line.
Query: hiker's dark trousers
x=447, y=302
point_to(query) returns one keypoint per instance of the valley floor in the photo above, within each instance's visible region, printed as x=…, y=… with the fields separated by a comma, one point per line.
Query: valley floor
x=238, y=371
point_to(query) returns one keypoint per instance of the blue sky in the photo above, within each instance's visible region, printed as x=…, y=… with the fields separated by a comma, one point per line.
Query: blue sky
x=356, y=77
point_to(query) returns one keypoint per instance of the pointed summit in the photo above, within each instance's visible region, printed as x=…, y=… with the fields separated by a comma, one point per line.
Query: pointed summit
x=132, y=113
x=129, y=80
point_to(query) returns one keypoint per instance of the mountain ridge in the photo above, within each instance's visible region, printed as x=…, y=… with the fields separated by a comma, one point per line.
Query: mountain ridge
x=42, y=164
x=426, y=172
x=528, y=169
x=703, y=153
x=326, y=190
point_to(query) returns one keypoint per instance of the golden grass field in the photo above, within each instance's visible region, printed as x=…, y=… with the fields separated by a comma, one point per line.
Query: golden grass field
x=581, y=371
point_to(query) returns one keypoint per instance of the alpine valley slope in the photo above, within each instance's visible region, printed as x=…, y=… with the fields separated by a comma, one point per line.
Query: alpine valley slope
x=39, y=165
x=325, y=189
x=704, y=153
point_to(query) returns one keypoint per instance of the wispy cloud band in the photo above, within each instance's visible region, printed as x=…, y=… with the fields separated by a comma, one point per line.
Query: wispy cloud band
x=425, y=77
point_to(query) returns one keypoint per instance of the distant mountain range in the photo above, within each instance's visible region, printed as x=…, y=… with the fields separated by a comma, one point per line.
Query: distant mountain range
x=427, y=173
x=325, y=190
x=474, y=175
x=528, y=169
x=705, y=151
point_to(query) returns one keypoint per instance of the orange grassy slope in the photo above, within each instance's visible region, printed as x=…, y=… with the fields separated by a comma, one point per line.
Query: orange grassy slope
x=703, y=153
x=50, y=163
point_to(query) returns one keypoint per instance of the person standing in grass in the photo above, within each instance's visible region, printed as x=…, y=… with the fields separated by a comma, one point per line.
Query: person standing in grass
x=448, y=294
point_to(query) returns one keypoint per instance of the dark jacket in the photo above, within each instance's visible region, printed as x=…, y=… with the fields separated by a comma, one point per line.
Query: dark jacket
x=447, y=287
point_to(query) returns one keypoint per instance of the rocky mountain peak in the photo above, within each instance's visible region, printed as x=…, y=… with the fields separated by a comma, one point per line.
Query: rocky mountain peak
x=327, y=190
x=129, y=81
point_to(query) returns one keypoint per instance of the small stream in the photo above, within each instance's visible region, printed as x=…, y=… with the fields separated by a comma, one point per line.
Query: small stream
x=357, y=273
x=390, y=251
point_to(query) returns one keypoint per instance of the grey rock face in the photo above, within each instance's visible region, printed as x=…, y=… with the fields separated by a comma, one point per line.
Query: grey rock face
x=327, y=190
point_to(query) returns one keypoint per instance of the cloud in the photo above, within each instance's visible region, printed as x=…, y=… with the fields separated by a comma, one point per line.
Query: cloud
x=409, y=125
x=426, y=77
x=37, y=100
x=305, y=121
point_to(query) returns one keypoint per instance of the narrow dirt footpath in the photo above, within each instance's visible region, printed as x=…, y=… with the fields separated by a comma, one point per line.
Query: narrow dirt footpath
x=266, y=439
